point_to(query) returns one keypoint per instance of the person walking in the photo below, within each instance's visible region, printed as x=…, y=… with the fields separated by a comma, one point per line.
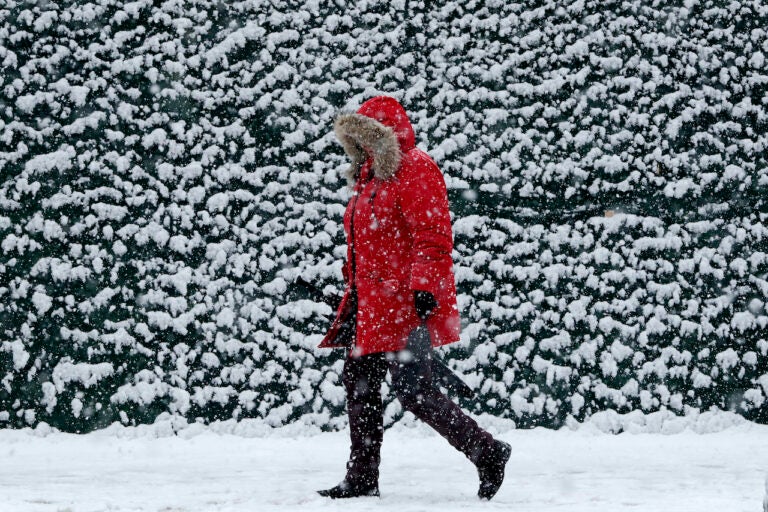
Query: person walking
x=399, y=281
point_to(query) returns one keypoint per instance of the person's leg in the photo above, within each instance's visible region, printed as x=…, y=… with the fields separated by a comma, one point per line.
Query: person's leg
x=362, y=378
x=412, y=382
x=362, y=381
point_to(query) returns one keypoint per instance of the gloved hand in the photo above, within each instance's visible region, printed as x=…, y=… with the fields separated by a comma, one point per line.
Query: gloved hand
x=424, y=302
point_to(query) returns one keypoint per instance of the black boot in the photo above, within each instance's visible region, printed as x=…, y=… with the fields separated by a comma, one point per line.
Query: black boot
x=490, y=469
x=347, y=489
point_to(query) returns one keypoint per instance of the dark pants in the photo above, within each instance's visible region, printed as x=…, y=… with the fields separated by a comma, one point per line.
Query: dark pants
x=412, y=382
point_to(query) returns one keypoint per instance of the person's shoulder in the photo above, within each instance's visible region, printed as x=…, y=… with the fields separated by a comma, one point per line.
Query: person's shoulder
x=417, y=164
x=420, y=157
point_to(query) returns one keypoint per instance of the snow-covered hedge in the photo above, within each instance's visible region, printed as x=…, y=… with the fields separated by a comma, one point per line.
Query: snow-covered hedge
x=167, y=169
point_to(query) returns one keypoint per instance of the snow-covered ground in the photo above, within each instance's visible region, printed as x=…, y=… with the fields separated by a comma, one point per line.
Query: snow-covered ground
x=203, y=469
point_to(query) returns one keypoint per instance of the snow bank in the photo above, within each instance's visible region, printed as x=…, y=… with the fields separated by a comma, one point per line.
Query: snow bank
x=605, y=422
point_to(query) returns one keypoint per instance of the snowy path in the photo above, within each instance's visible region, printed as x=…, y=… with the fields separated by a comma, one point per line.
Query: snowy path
x=549, y=471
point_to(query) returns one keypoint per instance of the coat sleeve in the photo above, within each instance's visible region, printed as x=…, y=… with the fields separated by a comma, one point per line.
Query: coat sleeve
x=424, y=205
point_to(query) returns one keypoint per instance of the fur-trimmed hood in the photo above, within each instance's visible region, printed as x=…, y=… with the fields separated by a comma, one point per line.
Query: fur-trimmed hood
x=380, y=127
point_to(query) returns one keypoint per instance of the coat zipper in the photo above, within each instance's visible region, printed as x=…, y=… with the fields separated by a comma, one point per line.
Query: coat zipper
x=352, y=241
x=375, y=224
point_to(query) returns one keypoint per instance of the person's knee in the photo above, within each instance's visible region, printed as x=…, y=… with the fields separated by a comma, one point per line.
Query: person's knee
x=409, y=398
x=410, y=392
x=362, y=379
x=358, y=388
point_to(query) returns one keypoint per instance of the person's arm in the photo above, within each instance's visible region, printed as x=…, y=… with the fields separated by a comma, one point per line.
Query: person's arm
x=424, y=204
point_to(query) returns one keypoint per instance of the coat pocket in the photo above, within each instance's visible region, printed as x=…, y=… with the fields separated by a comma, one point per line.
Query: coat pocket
x=391, y=287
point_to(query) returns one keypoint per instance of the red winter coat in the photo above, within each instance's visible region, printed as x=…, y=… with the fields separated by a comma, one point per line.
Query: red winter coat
x=402, y=238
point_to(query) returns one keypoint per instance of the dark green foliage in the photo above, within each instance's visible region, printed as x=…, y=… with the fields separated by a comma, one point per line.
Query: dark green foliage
x=167, y=169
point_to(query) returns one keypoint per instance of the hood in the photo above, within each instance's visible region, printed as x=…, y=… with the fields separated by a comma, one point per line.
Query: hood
x=380, y=127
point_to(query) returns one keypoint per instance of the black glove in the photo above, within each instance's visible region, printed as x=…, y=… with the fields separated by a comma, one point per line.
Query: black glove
x=424, y=302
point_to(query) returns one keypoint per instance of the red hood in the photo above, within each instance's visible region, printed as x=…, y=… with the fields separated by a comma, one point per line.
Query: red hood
x=389, y=112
